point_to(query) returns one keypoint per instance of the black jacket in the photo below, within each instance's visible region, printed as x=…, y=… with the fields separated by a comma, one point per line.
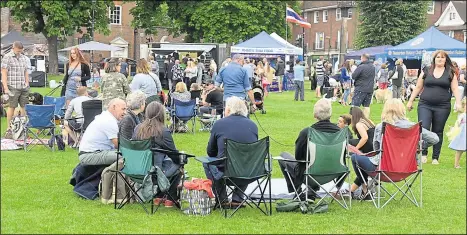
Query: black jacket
x=364, y=77
x=128, y=123
x=85, y=75
x=280, y=67
x=400, y=76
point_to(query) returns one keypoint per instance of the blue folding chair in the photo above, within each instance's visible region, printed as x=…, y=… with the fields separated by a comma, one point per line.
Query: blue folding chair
x=183, y=112
x=41, y=118
x=59, y=103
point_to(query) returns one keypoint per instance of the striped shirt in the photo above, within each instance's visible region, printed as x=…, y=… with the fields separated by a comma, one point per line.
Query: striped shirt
x=17, y=67
x=319, y=68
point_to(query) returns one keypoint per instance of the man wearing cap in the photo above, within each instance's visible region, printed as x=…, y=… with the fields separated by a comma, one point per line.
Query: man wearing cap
x=15, y=81
x=211, y=98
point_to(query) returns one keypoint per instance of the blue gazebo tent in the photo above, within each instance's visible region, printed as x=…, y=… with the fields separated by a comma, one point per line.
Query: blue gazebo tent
x=428, y=41
x=374, y=52
x=262, y=45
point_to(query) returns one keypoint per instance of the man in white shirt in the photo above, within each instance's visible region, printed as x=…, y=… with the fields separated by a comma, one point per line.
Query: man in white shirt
x=100, y=140
x=76, y=105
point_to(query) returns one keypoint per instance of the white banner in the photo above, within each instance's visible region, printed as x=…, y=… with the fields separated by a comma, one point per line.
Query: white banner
x=281, y=51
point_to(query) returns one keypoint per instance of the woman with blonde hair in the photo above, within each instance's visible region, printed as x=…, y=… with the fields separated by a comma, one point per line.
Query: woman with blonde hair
x=181, y=92
x=213, y=69
x=146, y=81
x=270, y=73
x=114, y=84
x=191, y=73
x=78, y=73
x=394, y=114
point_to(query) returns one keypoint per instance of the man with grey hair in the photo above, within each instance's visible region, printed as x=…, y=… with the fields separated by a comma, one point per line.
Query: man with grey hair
x=235, y=79
x=322, y=112
x=237, y=127
x=364, y=80
x=136, y=104
x=15, y=82
x=100, y=140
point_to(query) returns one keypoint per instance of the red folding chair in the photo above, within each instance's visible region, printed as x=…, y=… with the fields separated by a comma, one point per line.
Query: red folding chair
x=400, y=148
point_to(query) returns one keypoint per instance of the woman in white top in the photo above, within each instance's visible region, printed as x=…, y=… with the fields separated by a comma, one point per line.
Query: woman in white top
x=145, y=80
x=213, y=69
x=191, y=73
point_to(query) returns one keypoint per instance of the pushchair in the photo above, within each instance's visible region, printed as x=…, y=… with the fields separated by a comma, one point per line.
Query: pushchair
x=258, y=94
x=327, y=90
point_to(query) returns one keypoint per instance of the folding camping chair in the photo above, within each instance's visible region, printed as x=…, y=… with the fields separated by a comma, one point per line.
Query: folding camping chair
x=91, y=108
x=245, y=163
x=140, y=165
x=400, y=148
x=183, y=112
x=59, y=112
x=41, y=118
x=325, y=162
x=207, y=120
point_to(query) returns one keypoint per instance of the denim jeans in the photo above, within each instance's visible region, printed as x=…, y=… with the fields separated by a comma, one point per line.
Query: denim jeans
x=365, y=164
x=346, y=95
x=284, y=83
x=299, y=89
x=434, y=119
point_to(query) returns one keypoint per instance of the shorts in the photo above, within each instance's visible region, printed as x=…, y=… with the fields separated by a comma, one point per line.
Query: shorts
x=320, y=80
x=362, y=99
x=74, y=125
x=20, y=96
x=383, y=85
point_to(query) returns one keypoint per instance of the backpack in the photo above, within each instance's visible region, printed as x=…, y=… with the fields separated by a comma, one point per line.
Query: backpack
x=17, y=127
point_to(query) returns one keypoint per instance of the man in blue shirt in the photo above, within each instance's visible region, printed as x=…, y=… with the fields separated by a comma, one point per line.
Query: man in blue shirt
x=235, y=80
x=299, y=74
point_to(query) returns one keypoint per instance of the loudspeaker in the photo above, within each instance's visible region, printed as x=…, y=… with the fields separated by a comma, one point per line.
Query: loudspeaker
x=37, y=79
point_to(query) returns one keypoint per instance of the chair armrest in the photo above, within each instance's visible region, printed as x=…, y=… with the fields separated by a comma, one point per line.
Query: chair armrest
x=168, y=152
x=210, y=160
x=75, y=118
x=371, y=154
x=289, y=160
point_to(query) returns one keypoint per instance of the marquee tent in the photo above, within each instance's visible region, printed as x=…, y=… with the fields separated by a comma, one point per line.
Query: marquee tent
x=375, y=52
x=428, y=41
x=297, y=50
x=262, y=45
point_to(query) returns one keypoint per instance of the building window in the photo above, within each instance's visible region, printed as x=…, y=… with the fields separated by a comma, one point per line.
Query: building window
x=319, y=40
x=82, y=40
x=431, y=8
x=452, y=16
x=451, y=34
x=316, y=17
x=338, y=46
x=338, y=14
x=349, y=13
x=325, y=16
x=115, y=15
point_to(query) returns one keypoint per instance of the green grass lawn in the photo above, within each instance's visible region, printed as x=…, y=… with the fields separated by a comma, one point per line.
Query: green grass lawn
x=37, y=198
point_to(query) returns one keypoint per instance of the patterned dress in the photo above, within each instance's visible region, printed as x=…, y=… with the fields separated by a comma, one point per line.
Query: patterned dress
x=72, y=85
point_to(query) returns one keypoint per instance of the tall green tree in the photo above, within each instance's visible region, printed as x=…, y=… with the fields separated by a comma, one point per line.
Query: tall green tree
x=228, y=21
x=152, y=15
x=389, y=22
x=58, y=19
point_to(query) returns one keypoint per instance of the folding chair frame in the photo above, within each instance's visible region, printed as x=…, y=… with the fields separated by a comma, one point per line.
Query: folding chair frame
x=36, y=136
x=133, y=192
x=408, y=183
x=230, y=184
x=176, y=119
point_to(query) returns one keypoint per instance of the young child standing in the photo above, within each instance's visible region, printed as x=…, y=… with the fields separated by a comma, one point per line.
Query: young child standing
x=457, y=135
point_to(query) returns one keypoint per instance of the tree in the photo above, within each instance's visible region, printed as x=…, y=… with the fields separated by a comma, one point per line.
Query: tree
x=228, y=21
x=58, y=19
x=151, y=15
x=389, y=22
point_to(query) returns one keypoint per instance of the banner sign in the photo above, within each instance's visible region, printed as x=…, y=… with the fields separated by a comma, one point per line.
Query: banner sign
x=420, y=53
x=275, y=51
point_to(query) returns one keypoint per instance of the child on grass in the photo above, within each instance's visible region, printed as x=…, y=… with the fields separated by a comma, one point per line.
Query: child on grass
x=457, y=136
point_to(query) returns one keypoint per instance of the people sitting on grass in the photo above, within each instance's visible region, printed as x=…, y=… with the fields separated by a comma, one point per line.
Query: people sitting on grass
x=344, y=121
x=394, y=114
x=100, y=140
x=153, y=128
x=134, y=114
x=322, y=112
x=211, y=98
x=73, y=125
x=195, y=91
x=364, y=129
x=181, y=93
x=237, y=127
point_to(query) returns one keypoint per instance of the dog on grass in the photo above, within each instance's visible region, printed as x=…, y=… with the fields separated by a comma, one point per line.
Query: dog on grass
x=381, y=95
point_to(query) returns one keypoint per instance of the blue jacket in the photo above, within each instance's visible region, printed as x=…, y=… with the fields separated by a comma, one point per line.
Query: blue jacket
x=344, y=76
x=85, y=179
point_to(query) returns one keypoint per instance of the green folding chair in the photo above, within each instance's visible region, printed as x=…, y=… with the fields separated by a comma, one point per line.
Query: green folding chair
x=246, y=163
x=325, y=162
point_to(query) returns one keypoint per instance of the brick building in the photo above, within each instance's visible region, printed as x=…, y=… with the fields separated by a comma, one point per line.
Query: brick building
x=326, y=18
x=453, y=21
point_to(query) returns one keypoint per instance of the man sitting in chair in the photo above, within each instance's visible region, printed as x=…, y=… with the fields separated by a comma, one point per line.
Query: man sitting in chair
x=322, y=111
x=211, y=98
x=237, y=127
x=100, y=140
x=74, y=125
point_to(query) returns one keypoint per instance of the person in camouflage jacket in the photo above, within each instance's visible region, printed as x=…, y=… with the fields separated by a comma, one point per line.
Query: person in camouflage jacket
x=114, y=84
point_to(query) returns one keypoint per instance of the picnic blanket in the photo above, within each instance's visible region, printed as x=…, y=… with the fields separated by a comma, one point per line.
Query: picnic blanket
x=9, y=144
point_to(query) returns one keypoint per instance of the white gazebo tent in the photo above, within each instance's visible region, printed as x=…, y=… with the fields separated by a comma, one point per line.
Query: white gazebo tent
x=296, y=50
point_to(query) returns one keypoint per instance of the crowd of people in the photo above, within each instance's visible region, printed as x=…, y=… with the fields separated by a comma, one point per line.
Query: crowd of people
x=136, y=110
